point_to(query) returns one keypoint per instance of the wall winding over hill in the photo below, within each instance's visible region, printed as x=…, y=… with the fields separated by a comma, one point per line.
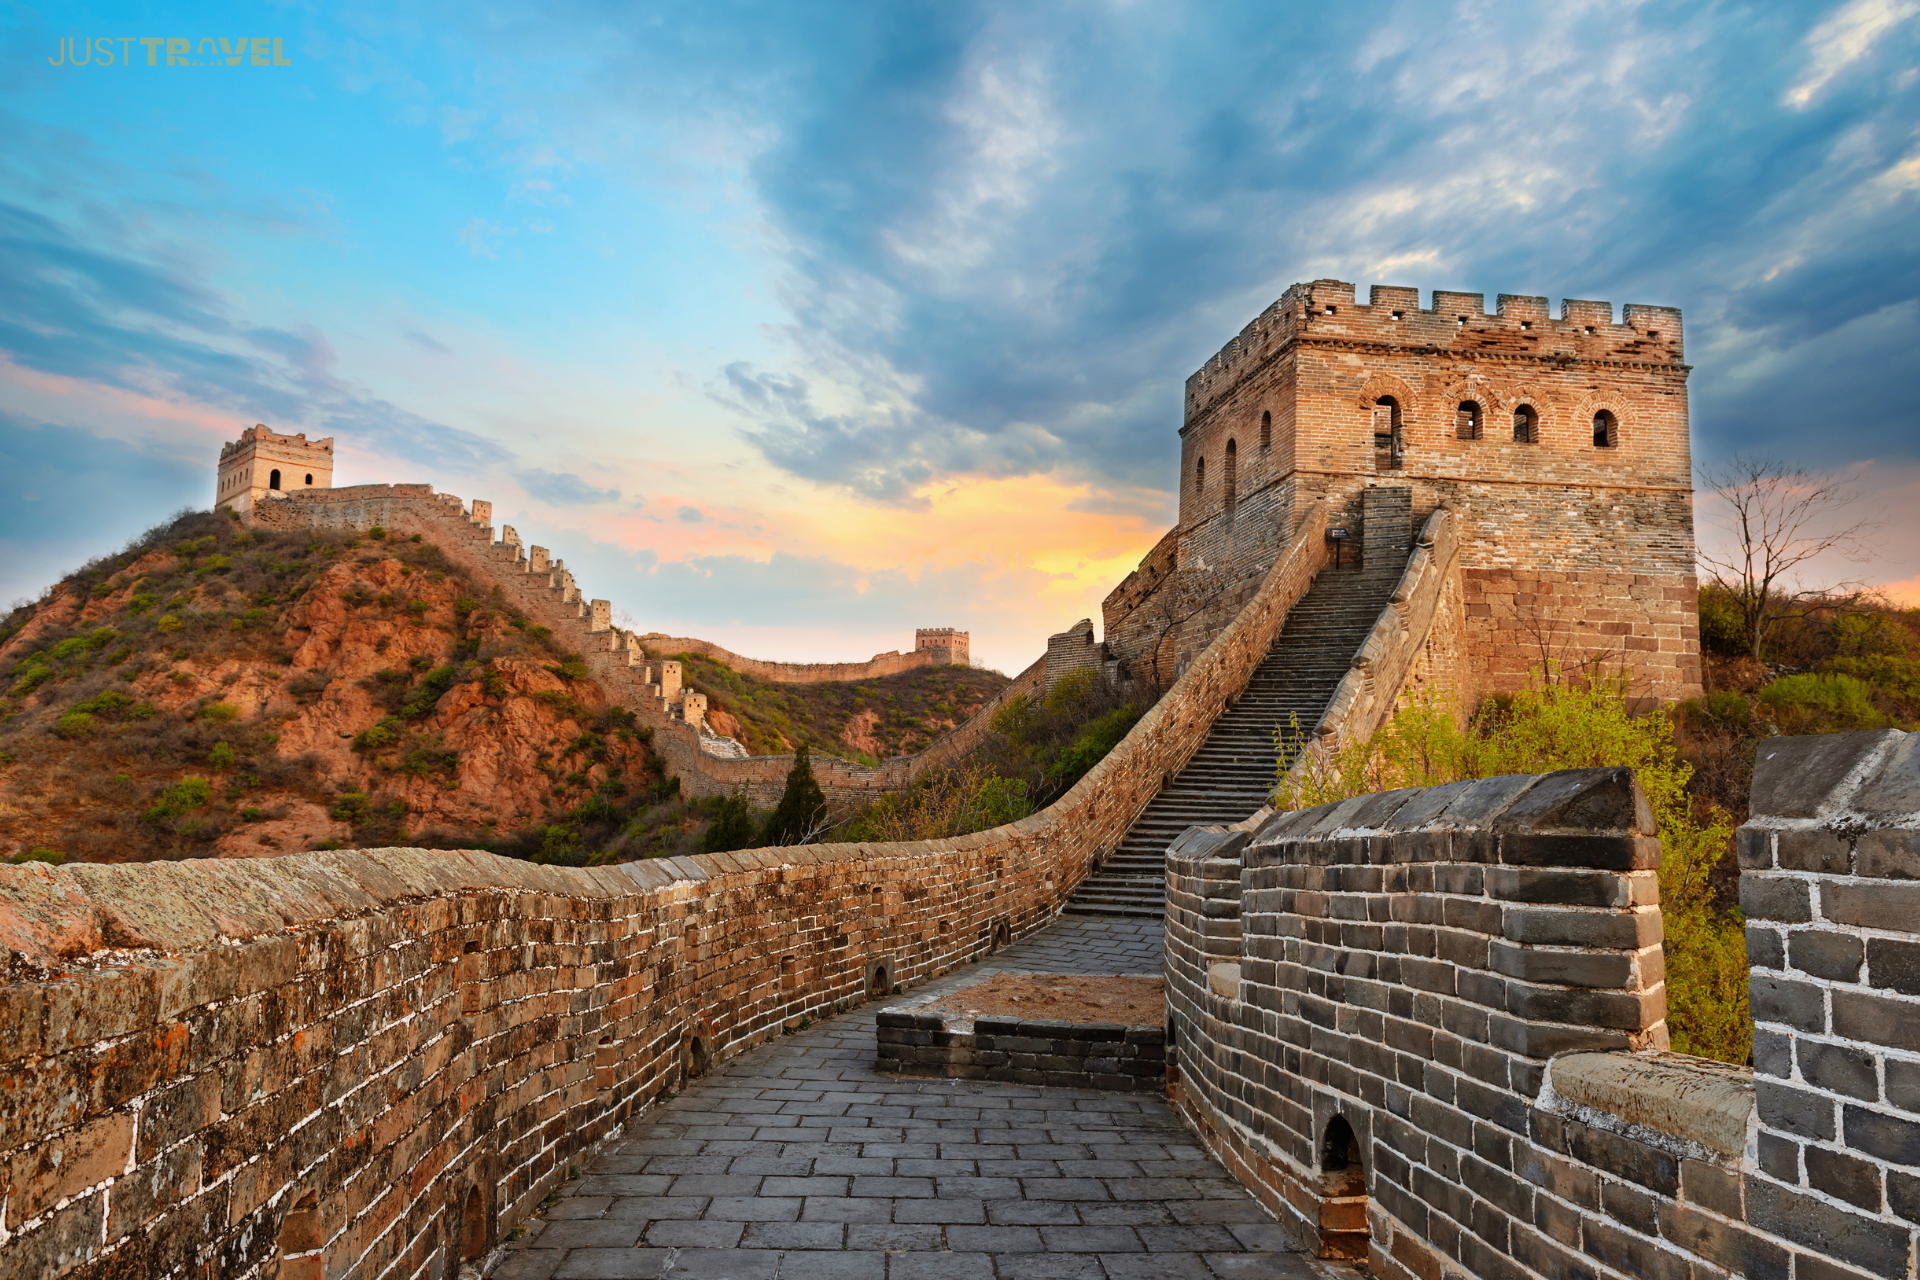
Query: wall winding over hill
x=1426, y=1027
x=880, y=664
x=338, y=1063
x=546, y=591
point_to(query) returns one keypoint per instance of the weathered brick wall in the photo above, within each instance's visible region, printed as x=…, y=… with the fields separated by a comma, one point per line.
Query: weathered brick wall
x=1469, y=980
x=207, y=1064
x=213, y=1045
x=1830, y=882
x=1572, y=552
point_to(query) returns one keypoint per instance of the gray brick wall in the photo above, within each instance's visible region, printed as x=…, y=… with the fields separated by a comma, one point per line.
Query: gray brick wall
x=1442, y=973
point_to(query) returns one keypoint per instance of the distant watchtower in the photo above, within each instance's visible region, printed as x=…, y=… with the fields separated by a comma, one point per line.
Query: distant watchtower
x=262, y=461
x=949, y=646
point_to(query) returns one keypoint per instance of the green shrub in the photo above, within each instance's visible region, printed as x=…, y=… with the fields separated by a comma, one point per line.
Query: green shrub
x=180, y=799
x=221, y=758
x=418, y=608
x=75, y=724
x=219, y=713
x=571, y=667
x=1100, y=736
x=142, y=601
x=30, y=675
x=52, y=857
x=383, y=734
x=169, y=623
x=79, y=646
x=1822, y=704
x=560, y=845
x=437, y=682
x=376, y=533
x=353, y=807
x=421, y=761
x=1564, y=726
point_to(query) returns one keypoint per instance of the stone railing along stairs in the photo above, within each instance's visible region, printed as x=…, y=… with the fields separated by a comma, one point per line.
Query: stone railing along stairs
x=1232, y=775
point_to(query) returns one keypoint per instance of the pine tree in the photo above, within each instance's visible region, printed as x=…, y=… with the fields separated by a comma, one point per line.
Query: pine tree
x=801, y=807
x=732, y=825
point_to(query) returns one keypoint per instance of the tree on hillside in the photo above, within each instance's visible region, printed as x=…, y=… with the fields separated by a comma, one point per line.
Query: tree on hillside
x=1779, y=516
x=801, y=815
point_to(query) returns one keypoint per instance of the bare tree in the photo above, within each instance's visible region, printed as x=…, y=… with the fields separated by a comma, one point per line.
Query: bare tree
x=1779, y=516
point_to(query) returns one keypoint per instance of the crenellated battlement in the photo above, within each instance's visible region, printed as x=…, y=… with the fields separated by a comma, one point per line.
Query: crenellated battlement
x=1455, y=323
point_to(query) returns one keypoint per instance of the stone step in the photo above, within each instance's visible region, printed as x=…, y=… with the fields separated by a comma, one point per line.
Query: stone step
x=1232, y=774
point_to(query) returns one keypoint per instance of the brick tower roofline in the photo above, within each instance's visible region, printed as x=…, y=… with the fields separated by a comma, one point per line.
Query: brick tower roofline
x=1458, y=324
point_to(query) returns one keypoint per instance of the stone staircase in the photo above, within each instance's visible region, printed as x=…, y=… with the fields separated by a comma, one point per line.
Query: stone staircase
x=1232, y=774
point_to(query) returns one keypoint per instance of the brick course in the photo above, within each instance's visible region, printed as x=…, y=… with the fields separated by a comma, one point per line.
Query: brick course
x=1470, y=978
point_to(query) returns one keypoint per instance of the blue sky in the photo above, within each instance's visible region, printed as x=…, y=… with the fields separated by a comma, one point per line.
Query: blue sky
x=798, y=326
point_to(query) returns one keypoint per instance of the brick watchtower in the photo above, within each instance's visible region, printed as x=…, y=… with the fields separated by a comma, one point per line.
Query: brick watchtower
x=950, y=647
x=1561, y=442
x=263, y=461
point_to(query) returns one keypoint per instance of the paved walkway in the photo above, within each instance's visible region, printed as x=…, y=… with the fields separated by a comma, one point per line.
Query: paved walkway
x=799, y=1160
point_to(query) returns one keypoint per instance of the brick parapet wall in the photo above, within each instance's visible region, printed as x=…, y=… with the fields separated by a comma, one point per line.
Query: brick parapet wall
x=190, y=1049
x=212, y=1042
x=880, y=665
x=1830, y=883
x=1470, y=978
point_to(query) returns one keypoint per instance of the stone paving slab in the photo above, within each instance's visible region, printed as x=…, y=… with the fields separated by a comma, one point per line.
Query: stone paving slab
x=799, y=1160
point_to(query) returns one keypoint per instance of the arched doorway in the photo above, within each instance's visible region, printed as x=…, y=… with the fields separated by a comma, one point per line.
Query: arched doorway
x=1343, y=1194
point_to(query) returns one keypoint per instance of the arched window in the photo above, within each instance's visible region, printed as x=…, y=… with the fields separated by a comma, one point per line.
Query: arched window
x=1266, y=430
x=1387, y=444
x=1467, y=420
x=273, y=479
x=1199, y=476
x=1606, y=430
x=1526, y=425
x=1233, y=462
x=309, y=477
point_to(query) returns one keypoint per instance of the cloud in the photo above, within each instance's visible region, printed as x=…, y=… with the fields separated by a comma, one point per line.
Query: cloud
x=564, y=489
x=63, y=482
x=692, y=515
x=427, y=340
x=144, y=325
x=482, y=238
x=1843, y=40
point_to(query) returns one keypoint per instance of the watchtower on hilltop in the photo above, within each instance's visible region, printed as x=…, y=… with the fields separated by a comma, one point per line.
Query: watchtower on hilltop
x=949, y=647
x=1560, y=443
x=263, y=462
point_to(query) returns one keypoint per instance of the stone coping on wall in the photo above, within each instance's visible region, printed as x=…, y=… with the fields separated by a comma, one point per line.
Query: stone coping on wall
x=1694, y=1108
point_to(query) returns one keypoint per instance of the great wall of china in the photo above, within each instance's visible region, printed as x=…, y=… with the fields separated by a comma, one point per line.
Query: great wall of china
x=1426, y=1029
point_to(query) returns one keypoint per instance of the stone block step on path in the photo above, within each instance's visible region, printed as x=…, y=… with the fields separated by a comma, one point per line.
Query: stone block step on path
x=799, y=1159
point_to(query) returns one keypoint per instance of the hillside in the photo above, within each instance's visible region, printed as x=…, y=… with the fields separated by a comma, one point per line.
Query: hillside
x=212, y=691
x=1847, y=664
x=865, y=720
